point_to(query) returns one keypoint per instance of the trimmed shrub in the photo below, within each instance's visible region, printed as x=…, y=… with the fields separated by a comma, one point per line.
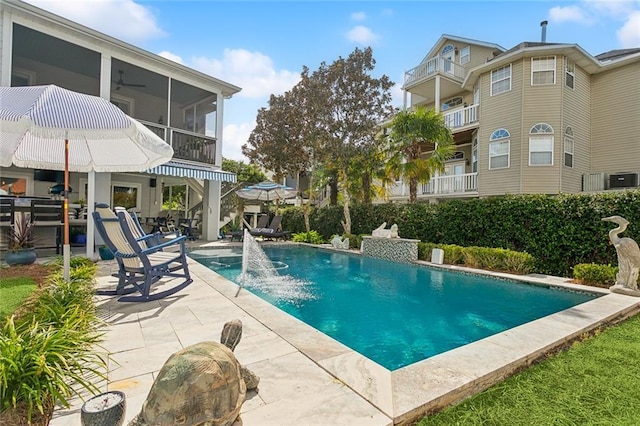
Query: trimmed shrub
x=311, y=237
x=355, y=241
x=595, y=275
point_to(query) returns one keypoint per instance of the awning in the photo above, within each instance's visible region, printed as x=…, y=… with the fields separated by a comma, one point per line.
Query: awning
x=196, y=171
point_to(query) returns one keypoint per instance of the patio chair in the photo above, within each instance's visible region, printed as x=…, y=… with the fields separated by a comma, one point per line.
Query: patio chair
x=273, y=231
x=140, y=266
x=189, y=226
x=152, y=239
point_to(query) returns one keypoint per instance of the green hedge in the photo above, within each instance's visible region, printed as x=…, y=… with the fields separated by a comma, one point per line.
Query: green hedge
x=595, y=275
x=494, y=259
x=558, y=231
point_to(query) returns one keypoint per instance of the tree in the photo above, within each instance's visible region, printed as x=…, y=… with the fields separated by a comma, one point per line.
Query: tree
x=247, y=173
x=414, y=135
x=355, y=103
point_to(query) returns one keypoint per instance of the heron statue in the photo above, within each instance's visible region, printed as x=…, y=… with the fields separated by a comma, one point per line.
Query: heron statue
x=628, y=257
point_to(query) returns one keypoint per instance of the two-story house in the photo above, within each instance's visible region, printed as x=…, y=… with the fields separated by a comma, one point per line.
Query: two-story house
x=181, y=105
x=537, y=118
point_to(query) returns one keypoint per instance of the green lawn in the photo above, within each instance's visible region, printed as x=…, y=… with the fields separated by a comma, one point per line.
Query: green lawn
x=595, y=382
x=13, y=291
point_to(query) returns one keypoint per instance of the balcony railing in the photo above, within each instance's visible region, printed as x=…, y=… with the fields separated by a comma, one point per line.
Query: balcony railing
x=441, y=185
x=186, y=145
x=432, y=66
x=462, y=117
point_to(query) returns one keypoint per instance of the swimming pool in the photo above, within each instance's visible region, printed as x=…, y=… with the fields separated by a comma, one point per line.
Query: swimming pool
x=394, y=314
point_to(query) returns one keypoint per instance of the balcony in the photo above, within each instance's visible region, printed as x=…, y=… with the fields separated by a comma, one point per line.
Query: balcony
x=441, y=186
x=462, y=118
x=433, y=66
x=186, y=145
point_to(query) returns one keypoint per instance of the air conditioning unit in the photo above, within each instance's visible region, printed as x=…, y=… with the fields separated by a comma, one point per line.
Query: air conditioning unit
x=623, y=180
x=593, y=182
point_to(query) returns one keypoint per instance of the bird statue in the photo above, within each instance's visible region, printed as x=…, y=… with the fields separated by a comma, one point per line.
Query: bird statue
x=628, y=256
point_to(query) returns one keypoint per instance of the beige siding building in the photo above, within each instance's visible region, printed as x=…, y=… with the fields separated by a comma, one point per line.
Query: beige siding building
x=539, y=118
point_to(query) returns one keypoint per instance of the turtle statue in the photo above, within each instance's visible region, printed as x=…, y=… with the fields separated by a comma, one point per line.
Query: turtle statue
x=230, y=337
x=198, y=385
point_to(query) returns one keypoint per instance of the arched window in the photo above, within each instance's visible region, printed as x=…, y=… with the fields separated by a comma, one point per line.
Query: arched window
x=447, y=48
x=568, y=147
x=499, y=149
x=499, y=134
x=541, y=145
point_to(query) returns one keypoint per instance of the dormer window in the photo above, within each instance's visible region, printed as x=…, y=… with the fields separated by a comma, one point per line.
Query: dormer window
x=451, y=103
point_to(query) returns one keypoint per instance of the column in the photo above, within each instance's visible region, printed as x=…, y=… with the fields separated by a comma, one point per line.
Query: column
x=211, y=210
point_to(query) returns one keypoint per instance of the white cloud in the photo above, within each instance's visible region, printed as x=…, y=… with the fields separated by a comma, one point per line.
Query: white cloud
x=122, y=19
x=568, y=14
x=234, y=136
x=253, y=71
x=171, y=56
x=361, y=34
x=629, y=34
x=612, y=8
x=358, y=16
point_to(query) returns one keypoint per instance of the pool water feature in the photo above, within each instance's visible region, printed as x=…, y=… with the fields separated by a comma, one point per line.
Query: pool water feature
x=394, y=314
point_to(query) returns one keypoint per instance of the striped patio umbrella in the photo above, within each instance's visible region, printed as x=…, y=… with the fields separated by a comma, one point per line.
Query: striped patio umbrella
x=48, y=127
x=266, y=191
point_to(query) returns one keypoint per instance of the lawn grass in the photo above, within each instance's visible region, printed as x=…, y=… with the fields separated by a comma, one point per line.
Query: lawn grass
x=595, y=382
x=13, y=291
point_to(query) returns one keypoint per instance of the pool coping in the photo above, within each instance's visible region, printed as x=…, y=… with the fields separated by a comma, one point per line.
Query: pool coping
x=407, y=394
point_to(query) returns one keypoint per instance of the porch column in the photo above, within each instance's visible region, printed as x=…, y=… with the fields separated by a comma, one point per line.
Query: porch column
x=211, y=210
x=219, y=124
x=6, y=43
x=105, y=77
x=437, y=94
x=98, y=191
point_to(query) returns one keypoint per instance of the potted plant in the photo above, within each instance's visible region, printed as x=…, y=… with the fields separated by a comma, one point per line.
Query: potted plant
x=105, y=253
x=21, y=250
x=77, y=236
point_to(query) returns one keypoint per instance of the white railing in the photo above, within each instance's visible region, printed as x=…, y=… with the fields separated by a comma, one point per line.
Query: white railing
x=462, y=117
x=440, y=185
x=433, y=66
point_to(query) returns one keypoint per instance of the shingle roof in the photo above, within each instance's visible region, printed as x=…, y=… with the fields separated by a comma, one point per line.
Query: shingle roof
x=616, y=54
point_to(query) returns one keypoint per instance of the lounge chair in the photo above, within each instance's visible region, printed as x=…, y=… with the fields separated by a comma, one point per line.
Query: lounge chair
x=140, y=265
x=263, y=221
x=273, y=231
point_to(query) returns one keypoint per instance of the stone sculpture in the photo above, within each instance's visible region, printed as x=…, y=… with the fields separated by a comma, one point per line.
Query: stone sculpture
x=338, y=243
x=198, y=385
x=230, y=337
x=381, y=232
x=628, y=258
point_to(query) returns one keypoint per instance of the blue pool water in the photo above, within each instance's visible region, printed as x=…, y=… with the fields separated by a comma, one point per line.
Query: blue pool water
x=395, y=314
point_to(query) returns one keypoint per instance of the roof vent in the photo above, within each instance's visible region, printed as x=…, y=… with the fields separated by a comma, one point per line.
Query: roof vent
x=543, y=24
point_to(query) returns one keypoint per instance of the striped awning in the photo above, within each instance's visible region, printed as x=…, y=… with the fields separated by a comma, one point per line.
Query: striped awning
x=196, y=171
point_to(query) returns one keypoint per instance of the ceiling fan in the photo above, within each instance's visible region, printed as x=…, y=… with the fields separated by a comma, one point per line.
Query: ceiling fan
x=120, y=83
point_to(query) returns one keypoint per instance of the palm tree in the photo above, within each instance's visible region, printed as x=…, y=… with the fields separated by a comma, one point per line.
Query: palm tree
x=414, y=134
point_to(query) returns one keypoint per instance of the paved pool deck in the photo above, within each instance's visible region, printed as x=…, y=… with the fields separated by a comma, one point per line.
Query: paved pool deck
x=308, y=378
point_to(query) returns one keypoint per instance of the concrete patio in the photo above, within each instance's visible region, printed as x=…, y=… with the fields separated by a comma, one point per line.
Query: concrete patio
x=307, y=378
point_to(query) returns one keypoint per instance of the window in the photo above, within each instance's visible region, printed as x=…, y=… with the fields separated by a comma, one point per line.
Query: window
x=543, y=70
x=501, y=80
x=125, y=104
x=569, y=73
x=447, y=48
x=458, y=155
x=499, y=149
x=541, y=145
x=474, y=155
x=17, y=186
x=451, y=103
x=568, y=147
x=21, y=77
x=465, y=55
x=126, y=194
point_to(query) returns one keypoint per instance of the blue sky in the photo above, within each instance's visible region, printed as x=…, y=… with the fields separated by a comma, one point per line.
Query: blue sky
x=261, y=46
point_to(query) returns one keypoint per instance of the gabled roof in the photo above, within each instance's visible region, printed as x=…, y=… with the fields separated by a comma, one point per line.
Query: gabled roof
x=450, y=37
x=616, y=54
